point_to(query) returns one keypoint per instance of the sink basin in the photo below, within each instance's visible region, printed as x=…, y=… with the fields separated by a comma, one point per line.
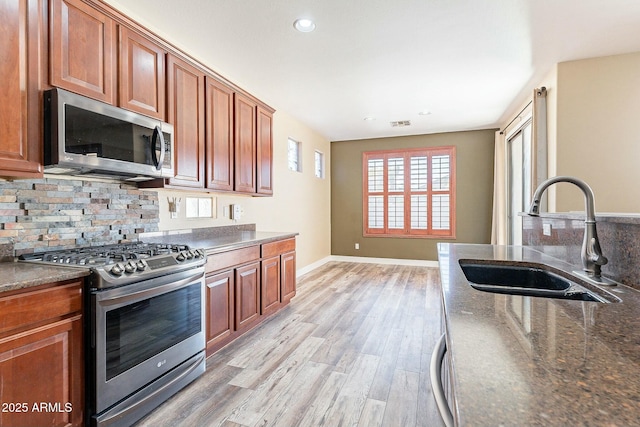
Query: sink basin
x=524, y=279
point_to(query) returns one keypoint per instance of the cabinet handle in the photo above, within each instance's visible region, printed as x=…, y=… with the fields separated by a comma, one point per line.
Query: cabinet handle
x=437, y=357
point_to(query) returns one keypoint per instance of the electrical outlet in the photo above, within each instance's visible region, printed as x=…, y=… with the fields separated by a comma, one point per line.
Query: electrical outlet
x=236, y=211
x=357, y=246
x=546, y=229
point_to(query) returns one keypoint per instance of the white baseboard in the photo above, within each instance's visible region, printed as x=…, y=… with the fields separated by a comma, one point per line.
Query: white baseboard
x=365, y=260
x=312, y=266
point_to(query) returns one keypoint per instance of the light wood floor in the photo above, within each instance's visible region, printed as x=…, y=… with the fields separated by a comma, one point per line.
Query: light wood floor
x=351, y=349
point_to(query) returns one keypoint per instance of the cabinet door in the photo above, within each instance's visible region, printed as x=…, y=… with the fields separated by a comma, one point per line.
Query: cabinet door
x=220, y=307
x=264, y=152
x=83, y=50
x=20, y=105
x=270, y=289
x=141, y=75
x=186, y=114
x=219, y=136
x=288, y=276
x=247, y=293
x=245, y=144
x=43, y=366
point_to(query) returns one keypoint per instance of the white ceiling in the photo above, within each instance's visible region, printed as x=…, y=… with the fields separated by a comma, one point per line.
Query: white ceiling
x=470, y=63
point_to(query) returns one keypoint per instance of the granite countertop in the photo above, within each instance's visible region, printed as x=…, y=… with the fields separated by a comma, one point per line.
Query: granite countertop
x=21, y=275
x=532, y=361
x=214, y=243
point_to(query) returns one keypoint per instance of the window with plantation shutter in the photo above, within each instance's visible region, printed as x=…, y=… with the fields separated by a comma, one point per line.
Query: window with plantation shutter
x=409, y=193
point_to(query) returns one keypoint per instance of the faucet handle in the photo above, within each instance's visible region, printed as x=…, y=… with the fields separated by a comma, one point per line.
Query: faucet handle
x=595, y=253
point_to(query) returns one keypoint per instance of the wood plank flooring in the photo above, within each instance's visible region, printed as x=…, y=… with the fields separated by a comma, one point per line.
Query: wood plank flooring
x=351, y=349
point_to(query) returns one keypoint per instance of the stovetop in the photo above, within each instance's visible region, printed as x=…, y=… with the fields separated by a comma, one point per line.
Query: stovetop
x=124, y=263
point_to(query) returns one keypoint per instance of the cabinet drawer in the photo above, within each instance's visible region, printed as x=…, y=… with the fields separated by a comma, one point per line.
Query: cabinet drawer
x=279, y=247
x=232, y=258
x=31, y=307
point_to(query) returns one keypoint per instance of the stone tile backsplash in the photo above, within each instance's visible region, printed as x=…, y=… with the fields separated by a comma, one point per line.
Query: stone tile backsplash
x=50, y=213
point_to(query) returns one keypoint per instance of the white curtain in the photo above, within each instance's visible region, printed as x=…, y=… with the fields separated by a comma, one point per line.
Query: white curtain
x=539, y=137
x=499, y=223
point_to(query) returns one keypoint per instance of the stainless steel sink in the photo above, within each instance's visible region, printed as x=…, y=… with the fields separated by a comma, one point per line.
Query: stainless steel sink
x=525, y=279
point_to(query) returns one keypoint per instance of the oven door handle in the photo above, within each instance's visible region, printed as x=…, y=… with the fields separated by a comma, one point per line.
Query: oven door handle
x=151, y=292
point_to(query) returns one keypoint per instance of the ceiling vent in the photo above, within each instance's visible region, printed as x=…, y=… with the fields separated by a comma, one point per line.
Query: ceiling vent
x=401, y=123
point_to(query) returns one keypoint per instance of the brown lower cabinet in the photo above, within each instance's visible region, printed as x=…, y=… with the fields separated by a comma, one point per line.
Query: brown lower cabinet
x=247, y=294
x=246, y=285
x=288, y=276
x=270, y=285
x=220, y=307
x=41, y=357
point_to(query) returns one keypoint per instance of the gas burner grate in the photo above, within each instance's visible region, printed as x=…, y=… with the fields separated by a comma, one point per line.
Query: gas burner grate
x=108, y=254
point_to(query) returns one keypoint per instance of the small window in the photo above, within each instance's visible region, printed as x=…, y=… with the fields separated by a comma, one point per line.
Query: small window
x=294, y=155
x=319, y=164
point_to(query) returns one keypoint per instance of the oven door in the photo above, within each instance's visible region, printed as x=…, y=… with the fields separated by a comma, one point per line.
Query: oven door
x=142, y=331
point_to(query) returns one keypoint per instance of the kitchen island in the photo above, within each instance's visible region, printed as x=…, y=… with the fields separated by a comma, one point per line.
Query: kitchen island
x=533, y=361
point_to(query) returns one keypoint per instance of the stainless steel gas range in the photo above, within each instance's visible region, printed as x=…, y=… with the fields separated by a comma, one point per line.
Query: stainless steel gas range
x=145, y=324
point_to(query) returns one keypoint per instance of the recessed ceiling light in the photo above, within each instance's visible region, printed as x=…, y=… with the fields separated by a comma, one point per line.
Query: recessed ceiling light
x=304, y=25
x=369, y=119
x=424, y=113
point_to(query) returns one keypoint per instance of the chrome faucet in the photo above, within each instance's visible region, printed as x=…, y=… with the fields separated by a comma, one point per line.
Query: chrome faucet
x=592, y=258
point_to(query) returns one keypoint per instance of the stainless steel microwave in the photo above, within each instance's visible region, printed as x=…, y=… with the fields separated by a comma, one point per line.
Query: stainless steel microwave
x=88, y=137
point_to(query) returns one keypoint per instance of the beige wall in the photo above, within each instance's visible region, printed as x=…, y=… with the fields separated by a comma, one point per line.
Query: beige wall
x=592, y=113
x=474, y=194
x=300, y=203
x=598, y=140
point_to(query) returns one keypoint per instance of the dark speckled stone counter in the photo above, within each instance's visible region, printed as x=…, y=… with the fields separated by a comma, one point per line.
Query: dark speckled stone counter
x=22, y=275
x=213, y=242
x=19, y=275
x=527, y=361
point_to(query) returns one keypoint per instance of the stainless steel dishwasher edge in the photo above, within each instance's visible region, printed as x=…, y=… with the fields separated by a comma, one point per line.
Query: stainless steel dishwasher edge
x=437, y=358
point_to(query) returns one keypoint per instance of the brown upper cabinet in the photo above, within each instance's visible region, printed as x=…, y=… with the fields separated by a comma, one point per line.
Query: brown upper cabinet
x=186, y=93
x=83, y=50
x=245, y=144
x=223, y=136
x=141, y=74
x=264, y=155
x=20, y=99
x=219, y=136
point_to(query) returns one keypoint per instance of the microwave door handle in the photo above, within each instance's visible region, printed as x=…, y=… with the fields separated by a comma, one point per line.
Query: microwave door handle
x=157, y=134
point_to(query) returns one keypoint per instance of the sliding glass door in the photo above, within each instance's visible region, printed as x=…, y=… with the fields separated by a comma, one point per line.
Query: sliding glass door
x=519, y=180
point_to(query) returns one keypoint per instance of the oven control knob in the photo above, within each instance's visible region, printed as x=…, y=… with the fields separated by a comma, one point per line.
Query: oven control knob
x=130, y=267
x=189, y=254
x=181, y=257
x=117, y=270
x=141, y=265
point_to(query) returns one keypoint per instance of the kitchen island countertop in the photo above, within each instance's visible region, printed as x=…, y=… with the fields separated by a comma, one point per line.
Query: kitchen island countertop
x=530, y=361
